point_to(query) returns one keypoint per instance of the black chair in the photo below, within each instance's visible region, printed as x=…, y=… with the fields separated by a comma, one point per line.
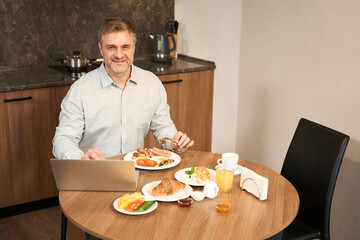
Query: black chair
x=312, y=164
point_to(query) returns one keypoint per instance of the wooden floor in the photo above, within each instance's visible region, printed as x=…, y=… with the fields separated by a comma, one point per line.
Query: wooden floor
x=41, y=224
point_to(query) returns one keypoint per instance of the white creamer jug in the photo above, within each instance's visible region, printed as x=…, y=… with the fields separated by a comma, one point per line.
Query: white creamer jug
x=211, y=190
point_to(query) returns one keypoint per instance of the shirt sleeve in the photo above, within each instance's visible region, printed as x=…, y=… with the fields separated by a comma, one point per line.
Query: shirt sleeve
x=161, y=124
x=71, y=127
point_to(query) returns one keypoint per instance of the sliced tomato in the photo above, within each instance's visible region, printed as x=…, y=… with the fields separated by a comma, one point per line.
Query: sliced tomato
x=134, y=205
x=146, y=162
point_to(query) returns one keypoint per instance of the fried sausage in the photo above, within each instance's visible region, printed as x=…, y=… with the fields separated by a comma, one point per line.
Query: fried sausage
x=149, y=153
x=161, y=152
x=142, y=151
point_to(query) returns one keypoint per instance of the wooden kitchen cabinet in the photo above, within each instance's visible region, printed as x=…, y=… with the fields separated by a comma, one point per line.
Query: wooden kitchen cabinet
x=190, y=97
x=27, y=126
x=198, y=107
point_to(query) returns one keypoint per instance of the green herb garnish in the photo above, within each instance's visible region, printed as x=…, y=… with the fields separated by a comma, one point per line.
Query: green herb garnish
x=190, y=172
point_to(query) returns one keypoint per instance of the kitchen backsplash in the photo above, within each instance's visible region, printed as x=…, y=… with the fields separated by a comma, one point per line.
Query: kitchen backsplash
x=37, y=32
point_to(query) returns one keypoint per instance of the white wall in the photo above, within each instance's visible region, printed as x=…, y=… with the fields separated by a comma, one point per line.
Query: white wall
x=294, y=59
x=211, y=31
x=302, y=59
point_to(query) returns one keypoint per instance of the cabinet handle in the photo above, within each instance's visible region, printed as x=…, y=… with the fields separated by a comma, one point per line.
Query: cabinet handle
x=17, y=99
x=173, y=81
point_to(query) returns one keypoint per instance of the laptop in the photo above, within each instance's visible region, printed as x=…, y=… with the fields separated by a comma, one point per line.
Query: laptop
x=94, y=175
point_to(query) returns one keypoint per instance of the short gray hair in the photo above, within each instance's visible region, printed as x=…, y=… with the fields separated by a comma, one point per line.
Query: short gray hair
x=114, y=25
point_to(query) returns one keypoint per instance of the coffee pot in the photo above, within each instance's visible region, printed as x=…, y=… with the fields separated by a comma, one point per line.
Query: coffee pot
x=160, y=49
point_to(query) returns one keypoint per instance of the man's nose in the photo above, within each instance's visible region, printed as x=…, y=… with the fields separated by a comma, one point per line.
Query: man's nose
x=119, y=53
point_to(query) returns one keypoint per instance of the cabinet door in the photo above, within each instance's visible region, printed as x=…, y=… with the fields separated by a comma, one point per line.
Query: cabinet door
x=198, y=102
x=27, y=126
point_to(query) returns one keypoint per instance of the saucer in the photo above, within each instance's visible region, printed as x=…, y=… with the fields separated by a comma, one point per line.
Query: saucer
x=237, y=170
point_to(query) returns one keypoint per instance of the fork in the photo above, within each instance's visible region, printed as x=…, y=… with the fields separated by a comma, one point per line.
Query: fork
x=163, y=140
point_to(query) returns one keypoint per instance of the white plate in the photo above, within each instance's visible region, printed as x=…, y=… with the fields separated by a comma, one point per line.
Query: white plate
x=150, y=209
x=181, y=176
x=174, y=156
x=184, y=193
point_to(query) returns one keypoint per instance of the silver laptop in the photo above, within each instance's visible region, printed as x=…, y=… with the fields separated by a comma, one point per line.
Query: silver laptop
x=94, y=175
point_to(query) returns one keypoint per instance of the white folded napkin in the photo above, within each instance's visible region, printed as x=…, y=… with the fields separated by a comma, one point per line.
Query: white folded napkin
x=254, y=183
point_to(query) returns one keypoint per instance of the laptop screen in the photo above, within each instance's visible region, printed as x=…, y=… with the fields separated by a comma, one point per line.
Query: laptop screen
x=94, y=175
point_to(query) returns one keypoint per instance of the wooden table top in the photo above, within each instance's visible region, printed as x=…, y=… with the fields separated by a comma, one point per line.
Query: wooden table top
x=248, y=217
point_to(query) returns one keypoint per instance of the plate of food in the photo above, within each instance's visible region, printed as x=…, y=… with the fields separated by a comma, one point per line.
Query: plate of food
x=135, y=204
x=167, y=190
x=195, y=176
x=153, y=159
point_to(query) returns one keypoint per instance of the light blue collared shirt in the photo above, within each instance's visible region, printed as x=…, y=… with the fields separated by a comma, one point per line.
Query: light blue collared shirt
x=97, y=113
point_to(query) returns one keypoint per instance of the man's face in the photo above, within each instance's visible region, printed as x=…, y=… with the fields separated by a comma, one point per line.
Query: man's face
x=117, y=50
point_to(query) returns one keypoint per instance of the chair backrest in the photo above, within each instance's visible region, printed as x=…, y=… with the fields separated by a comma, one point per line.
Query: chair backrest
x=312, y=164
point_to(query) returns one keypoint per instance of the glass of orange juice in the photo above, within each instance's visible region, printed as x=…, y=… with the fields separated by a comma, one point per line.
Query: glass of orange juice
x=224, y=178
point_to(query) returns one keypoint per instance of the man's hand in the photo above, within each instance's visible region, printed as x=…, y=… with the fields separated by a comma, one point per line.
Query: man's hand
x=181, y=142
x=93, y=153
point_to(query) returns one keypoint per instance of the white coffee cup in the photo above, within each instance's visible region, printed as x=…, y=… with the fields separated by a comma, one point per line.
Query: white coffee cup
x=229, y=160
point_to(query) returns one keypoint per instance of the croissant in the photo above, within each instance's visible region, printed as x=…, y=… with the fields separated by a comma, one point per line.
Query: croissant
x=167, y=187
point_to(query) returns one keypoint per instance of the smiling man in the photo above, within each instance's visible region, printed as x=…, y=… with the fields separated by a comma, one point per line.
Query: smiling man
x=117, y=49
x=110, y=110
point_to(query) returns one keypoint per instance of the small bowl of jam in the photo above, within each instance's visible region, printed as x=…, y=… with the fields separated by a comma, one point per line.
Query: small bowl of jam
x=223, y=207
x=185, y=202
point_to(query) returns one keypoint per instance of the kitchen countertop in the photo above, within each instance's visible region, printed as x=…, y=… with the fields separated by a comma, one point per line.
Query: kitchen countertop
x=15, y=79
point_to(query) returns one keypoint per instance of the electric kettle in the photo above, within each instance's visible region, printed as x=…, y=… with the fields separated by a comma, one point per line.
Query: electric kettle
x=160, y=49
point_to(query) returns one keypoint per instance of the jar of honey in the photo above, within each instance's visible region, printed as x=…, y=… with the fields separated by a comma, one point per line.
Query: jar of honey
x=223, y=207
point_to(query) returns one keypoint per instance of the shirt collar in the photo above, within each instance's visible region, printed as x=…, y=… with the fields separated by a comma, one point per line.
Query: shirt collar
x=107, y=81
x=134, y=77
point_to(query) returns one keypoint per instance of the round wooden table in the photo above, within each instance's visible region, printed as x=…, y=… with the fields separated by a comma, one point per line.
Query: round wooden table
x=248, y=217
